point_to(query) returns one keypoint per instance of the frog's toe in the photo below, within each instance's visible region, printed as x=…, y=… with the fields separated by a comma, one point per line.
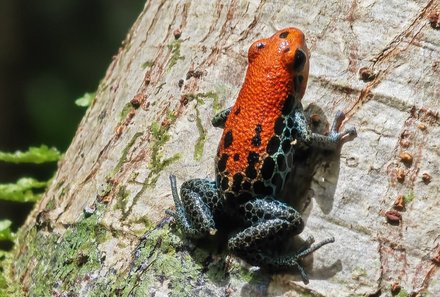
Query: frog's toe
x=349, y=134
x=337, y=122
x=170, y=213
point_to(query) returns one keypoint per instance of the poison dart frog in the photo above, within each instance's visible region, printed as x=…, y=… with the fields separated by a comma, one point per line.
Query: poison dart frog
x=261, y=133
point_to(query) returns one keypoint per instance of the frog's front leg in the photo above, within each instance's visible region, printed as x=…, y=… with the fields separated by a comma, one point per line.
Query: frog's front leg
x=331, y=141
x=195, y=210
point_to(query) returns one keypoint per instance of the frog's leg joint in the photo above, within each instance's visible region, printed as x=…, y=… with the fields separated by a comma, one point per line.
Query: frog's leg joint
x=220, y=118
x=195, y=208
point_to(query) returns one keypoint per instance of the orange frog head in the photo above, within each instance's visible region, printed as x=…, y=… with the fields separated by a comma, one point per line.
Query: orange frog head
x=282, y=58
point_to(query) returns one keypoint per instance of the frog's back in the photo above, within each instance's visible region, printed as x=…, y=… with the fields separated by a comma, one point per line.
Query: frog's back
x=255, y=152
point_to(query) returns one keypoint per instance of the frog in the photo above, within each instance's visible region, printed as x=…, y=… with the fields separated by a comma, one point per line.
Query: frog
x=262, y=132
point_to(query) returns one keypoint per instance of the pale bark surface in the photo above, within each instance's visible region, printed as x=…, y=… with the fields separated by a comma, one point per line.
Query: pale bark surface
x=86, y=236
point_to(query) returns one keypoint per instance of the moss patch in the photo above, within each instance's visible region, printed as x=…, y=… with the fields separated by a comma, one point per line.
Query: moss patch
x=200, y=100
x=409, y=197
x=175, y=53
x=128, y=107
x=200, y=143
x=62, y=264
x=147, y=64
x=156, y=259
x=121, y=198
x=123, y=157
x=159, y=137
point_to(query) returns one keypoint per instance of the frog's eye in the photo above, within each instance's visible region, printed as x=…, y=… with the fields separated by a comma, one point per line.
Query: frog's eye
x=255, y=49
x=284, y=35
x=299, y=60
x=260, y=45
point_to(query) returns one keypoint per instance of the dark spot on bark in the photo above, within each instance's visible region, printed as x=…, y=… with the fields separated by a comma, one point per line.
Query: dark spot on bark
x=273, y=145
x=284, y=35
x=288, y=105
x=267, y=168
x=281, y=162
x=221, y=165
x=228, y=139
x=236, y=157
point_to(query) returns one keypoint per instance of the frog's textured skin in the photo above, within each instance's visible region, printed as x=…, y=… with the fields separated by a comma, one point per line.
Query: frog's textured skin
x=261, y=133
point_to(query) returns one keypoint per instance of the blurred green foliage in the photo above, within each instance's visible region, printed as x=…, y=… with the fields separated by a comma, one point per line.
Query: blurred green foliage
x=36, y=155
x=51, y=52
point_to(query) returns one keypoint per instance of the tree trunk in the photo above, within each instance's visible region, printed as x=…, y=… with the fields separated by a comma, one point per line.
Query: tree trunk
x=101, y=228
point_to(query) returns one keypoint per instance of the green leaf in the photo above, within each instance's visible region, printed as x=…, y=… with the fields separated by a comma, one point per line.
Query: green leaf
x=22, y=190
x=36, y=155
x=5, y=231
x=85, y=100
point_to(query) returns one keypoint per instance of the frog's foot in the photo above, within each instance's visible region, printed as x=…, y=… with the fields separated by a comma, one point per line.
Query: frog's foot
x=193, y=214
x=287, y=262
x=292, y=262
x=341, y=137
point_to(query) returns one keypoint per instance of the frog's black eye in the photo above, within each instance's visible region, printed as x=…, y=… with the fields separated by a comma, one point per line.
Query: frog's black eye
x=260, y=45
x=284, y=34
x=299, y=60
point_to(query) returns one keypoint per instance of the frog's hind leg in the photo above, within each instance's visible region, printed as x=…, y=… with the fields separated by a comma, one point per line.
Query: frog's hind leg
x=269, y=221
x=195, y=208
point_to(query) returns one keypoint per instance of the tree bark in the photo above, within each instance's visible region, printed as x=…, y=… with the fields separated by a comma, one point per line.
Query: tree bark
x=101, y=228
